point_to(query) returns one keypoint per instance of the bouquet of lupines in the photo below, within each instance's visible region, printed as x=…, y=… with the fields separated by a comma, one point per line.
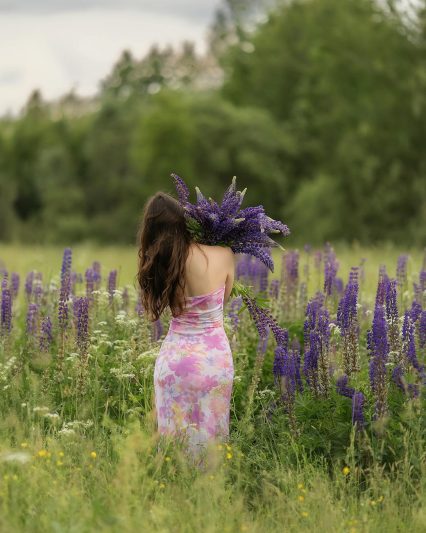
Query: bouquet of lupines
x=245, y=231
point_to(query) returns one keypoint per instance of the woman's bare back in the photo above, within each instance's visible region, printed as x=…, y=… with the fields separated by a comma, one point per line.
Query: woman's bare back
x=208, y=268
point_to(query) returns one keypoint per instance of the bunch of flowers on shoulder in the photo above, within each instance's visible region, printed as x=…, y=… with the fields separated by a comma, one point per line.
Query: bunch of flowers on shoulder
x=245, y=231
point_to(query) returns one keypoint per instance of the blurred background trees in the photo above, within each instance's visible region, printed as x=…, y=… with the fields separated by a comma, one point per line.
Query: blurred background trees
x=317, y=106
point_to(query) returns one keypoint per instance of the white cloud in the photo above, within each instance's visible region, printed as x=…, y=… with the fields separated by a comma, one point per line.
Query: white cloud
x=57, y=51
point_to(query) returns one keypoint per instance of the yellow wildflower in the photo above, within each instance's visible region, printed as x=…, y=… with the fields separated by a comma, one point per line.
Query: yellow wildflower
x=301, y=498
x=304, y=514
x=60, y=454
x=300, y=486
x=229, y=455
x=59, y=463
x=93, y=455
x=346, y=470
x=24, y=444
x=167, y=458
x=42, y=453
x=161, y=485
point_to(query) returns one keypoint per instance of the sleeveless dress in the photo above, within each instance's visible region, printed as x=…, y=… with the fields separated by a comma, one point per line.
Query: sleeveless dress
x=193, y=374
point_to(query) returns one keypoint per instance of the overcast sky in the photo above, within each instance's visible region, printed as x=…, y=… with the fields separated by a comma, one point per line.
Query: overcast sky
x=55, y=45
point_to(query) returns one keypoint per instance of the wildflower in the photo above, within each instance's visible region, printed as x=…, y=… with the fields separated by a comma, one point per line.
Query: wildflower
x=6, y=307
x=229, y=455
x=93, y=455
x=347, y=319
x=61, y=454
x=377, y=342
x=301, y=498
x=300, y=486
x=167, y=459
x=42, y=453
x=31, y=321
x=59, y=463
x=46, y=336
x=346, y=470
x=161, y=485
x=24, y=444
x=304, y=514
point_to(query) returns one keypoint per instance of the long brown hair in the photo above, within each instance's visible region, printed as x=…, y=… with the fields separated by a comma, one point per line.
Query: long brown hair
x=164, y=242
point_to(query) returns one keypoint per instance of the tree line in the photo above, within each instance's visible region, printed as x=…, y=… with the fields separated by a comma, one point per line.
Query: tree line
x=317, y=106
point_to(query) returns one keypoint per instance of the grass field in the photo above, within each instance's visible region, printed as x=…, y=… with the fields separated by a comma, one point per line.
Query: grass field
x=88, y=461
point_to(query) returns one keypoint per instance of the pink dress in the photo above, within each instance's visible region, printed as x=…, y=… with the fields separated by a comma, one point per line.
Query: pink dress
x=193, y=374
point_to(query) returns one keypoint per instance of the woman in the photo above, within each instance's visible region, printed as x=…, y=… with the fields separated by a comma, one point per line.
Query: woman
x=194, y=370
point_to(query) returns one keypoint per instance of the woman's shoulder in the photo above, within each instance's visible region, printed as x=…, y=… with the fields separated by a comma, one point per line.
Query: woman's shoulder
x=214, y=249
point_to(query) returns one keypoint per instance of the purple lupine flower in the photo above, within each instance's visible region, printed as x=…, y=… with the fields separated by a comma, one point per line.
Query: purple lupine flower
x=401, y=271
x=411, y=389
x=338, y=285
x=112, y=283
x=286, y=375
x=342, y=386
x=318, y=259
x=90, y=283
x=331, y=266
x=382, y=286
x=392, y=314
x=317, y=335
x=29, y=284
x=292, y=268
x=6, y=306
x=234, y=307
x=415, y=311
x=66, y=268
x=38, y=287
x=97, y=276
x=65, y=290
x=347, y=320
x=409, y=344
x=243, y=230
x=14, y=284
x=379, y=351
x=82, y=324
x=46, y=336
x=274, y=288
x=357, y=410
x=32, y=319
x=252, y=271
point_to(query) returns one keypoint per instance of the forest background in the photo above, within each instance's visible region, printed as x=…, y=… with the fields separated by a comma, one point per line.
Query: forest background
x=317, y=106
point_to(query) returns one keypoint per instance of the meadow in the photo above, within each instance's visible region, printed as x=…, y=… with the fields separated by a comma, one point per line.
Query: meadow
x=317, y=443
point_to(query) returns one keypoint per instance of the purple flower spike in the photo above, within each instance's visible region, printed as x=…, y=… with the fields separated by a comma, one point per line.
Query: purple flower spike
x=14, y=284
x=32, y=319
x=6, y=307
x=46, y=336
x=112, y=283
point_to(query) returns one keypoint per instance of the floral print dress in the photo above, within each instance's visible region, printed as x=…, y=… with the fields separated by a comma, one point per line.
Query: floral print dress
x=193, y=374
